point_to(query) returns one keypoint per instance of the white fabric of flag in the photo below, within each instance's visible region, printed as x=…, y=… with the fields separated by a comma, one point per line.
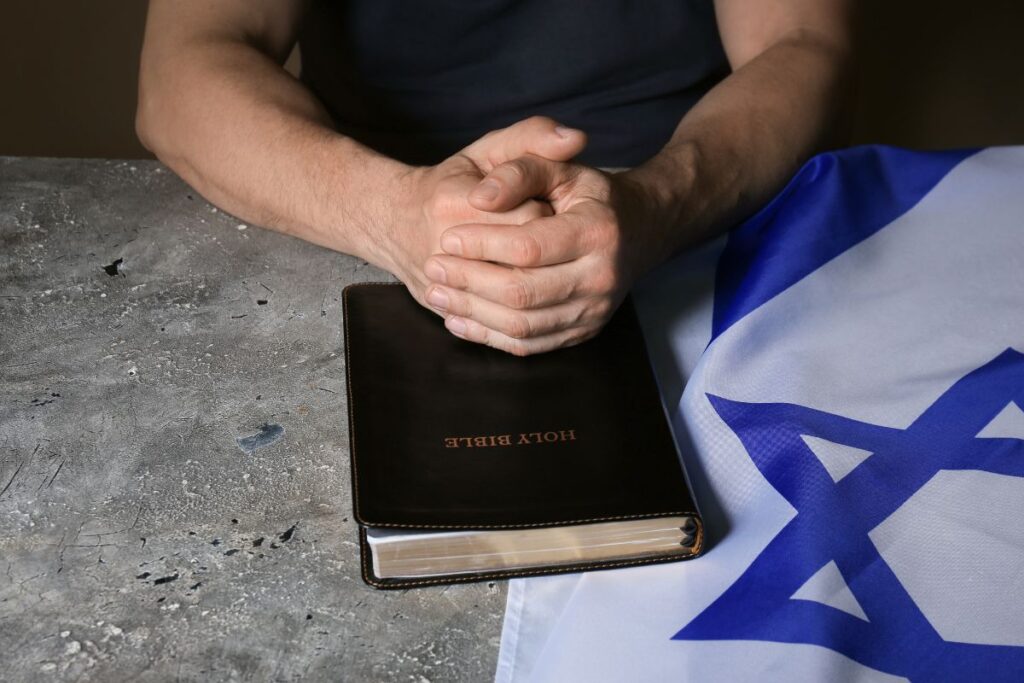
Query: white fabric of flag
x=844, y=375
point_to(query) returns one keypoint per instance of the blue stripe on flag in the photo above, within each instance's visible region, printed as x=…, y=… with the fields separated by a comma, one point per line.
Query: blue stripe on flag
x=834, y=519
x=856, y=192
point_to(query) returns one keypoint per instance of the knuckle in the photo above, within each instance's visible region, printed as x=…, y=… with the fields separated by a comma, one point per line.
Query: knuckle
x=441, y=206
x=538, y=121
x=432, y=207
x=471, y=241
x=490, y=135
x=603, y=281
x=601, y=233
x=525, y=250
x=517, y=169
x=582, y=335
x=608, y=228
x=463, y=305
x=579, y=315
x=518, y=348
x=595, y=184
x=602, y=308
x=517, y=327
x=518, y=294
x=461, y=162
x=595, y=313
x=570, y=288
x=454, y=275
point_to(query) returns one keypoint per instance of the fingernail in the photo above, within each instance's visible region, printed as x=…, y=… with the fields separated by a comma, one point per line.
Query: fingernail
x=564, y=131
x=438, y=299
x=435, y=271
x=456, y=326
x=452, y=244
x=487, y=190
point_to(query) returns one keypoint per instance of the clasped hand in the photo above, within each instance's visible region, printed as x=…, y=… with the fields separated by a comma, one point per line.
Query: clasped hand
x=551, y=279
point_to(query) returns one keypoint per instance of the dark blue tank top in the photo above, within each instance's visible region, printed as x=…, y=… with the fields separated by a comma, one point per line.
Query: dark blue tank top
x=420, y=79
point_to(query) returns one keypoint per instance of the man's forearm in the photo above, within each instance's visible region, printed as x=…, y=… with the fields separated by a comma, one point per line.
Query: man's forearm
x=740, y=144
x=255, y=141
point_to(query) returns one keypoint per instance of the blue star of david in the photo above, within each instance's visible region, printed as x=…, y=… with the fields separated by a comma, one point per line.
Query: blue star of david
x=833, y=520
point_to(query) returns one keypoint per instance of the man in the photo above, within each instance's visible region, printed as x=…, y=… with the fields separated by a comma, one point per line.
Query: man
x=515, y=237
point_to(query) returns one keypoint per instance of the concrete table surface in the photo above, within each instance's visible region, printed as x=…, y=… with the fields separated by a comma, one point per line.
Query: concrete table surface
x=143, y=333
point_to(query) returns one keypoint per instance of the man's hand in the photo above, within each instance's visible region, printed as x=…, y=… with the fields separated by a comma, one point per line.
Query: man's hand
x=217, y=107
x=553, y=281
x=433, y=199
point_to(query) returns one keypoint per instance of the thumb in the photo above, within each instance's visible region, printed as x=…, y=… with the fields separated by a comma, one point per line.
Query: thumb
x=510, y=184
x=537, y=135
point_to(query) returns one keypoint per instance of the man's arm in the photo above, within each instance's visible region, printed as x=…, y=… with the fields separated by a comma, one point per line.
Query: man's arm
x=217, y=107
x=555, y=281
x=790, y=95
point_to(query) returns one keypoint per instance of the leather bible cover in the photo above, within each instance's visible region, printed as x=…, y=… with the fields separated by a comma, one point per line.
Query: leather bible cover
x=446, y=434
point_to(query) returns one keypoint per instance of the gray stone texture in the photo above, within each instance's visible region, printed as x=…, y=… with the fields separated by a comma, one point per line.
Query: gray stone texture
x=174, y=467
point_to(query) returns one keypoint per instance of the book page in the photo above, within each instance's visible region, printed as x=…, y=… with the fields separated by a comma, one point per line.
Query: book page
x=401, y=553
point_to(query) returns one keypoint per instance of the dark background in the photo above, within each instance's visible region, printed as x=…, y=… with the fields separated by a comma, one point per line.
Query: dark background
x=933, y=74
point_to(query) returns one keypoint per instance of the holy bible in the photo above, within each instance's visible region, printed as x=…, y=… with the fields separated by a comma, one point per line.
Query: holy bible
x=472, y=464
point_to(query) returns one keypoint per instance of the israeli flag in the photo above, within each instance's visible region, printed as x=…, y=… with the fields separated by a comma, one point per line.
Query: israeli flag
x=845, y=379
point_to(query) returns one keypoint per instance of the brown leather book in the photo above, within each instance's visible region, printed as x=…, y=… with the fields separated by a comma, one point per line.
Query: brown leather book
x=472, y=464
